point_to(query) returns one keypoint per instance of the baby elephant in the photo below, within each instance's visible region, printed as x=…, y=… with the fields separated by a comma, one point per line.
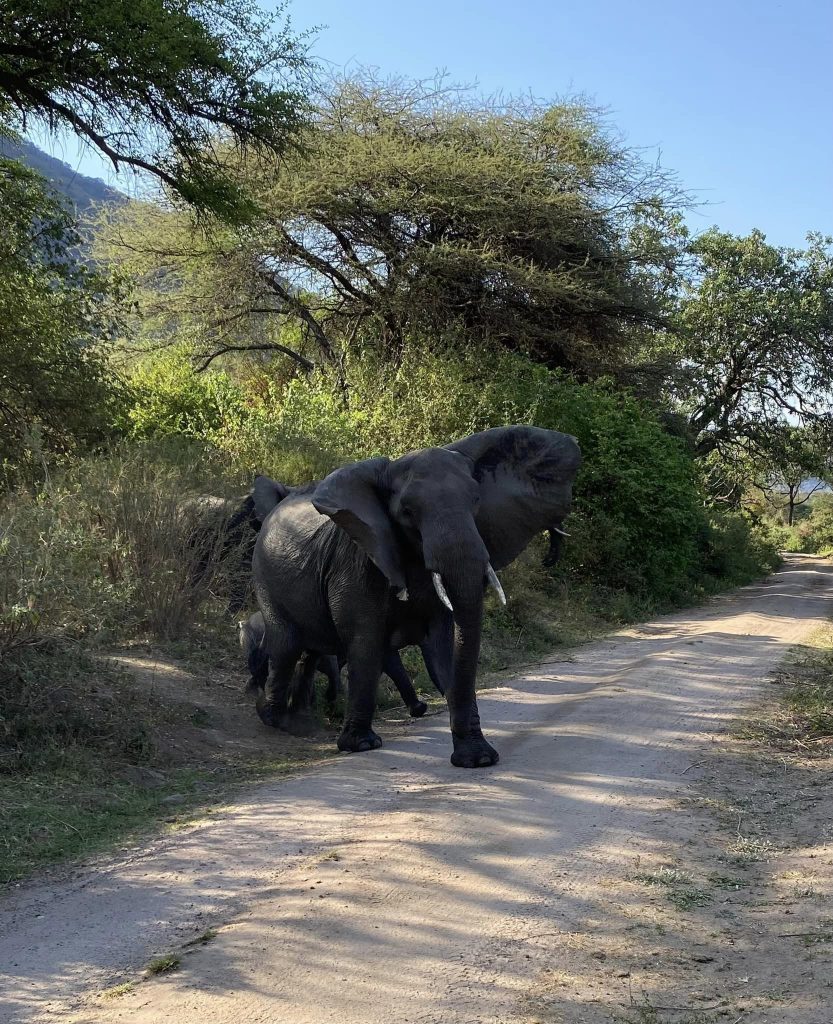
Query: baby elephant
x=252, y=636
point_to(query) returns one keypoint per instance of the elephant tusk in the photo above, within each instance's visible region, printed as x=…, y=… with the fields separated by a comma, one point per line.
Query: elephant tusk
x=491, y=576
x=403, y=594
x=441, y=591
x=562, y=533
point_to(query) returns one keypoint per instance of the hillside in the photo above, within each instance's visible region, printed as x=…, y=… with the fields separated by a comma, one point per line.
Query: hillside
x=82, y=191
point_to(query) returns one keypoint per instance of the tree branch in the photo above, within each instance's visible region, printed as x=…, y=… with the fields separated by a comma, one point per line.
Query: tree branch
x=272, y=346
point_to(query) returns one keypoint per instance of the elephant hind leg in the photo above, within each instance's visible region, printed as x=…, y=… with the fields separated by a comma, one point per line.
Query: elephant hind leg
x=283, y=652
x=396, y=672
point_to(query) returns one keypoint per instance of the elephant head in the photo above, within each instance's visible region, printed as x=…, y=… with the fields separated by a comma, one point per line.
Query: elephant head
x=453, y=516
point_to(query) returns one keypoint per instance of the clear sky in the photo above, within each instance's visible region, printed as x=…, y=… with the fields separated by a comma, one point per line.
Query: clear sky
x=736, y=96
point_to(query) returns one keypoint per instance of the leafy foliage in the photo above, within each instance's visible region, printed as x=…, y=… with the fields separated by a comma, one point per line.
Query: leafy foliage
x=154, y=85
x=758, y=322
x=57, y=316
x=639, y=525
x=416, y=212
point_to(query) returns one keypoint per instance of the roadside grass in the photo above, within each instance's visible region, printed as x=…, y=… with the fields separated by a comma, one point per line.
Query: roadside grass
x=116, y=991
x=163, y=964
x=663, y=876
x=800, y=721
x=201, y=940
x=89, y=759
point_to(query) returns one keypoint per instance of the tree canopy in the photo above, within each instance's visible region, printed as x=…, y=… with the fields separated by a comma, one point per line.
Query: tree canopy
x=157, y=86
x=415, y=212
x=757, y=351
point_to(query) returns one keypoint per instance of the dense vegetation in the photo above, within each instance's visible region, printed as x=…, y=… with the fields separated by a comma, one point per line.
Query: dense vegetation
x=417, y=265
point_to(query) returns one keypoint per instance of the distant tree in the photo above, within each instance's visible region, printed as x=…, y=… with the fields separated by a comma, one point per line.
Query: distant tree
x=798, y=464
x=417, y=212
x=157, y=86
x=757, y=350
x=56, y=319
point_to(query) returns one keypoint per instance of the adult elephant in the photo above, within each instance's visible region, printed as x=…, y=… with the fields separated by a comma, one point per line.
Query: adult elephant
x=265, y=495
x=386, y=553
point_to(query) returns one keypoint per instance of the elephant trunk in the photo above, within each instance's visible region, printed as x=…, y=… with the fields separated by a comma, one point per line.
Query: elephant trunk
x=459, y=563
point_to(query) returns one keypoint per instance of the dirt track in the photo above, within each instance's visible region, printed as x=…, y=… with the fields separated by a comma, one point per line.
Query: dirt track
x=391, y=887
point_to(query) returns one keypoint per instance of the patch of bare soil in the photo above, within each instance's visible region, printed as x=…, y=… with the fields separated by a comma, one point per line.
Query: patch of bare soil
x=724, y=912
x=215, y=719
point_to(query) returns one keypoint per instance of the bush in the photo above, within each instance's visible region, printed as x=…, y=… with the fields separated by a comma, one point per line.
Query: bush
x=820, y=523
x=170, y=399
x=112, y=546
x=735, y=550
x=638, y=504
x=639, y=524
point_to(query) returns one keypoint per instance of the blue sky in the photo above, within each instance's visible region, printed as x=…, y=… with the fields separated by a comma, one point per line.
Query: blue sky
x=736, y=96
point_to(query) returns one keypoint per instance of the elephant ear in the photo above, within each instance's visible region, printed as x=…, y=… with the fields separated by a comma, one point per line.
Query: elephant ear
x=355, y=498
x=267, y=493
x=526, y=478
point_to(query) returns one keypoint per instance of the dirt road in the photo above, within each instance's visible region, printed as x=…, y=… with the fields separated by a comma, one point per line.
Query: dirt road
x=391, y=887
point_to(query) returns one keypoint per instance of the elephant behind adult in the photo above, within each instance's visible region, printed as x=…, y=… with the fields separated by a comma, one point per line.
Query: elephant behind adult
x=252, y=637
x=382, y=554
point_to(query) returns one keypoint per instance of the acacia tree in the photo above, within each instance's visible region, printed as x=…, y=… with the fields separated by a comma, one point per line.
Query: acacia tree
x=155, y=85
x=417, y=213
x=757, y=350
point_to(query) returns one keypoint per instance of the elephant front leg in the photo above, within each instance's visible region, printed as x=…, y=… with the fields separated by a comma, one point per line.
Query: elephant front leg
x=471, y=748
x=438, y=651
x=364, y=667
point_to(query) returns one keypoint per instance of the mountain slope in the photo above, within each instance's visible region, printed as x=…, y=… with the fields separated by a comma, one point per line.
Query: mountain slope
x=82, y=191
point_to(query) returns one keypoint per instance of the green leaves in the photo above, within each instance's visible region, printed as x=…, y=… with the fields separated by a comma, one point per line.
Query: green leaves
x=157, y=86
x=758, y=327
x=56, y=319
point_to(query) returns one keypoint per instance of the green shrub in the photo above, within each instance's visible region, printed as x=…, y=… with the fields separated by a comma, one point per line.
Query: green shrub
x=820, y=523
x=735, y=550
x=639, y=525
x=110, y=546
x=170, y=399
x=638, y=505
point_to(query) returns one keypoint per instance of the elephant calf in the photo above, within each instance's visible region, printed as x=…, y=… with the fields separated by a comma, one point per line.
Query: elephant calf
x=252, y=635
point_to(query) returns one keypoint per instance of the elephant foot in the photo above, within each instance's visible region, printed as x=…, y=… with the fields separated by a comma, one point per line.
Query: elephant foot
x=418, y=709
x=473, y=751
x=269, y=713
x=357, y=741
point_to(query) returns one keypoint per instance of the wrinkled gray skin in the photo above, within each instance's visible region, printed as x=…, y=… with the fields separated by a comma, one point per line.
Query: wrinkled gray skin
x=265, y=496
x=349, y=567
x=252, y=636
